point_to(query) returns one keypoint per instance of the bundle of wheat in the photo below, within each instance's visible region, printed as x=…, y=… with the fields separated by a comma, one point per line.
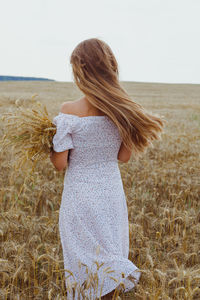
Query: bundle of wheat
x=29, y=132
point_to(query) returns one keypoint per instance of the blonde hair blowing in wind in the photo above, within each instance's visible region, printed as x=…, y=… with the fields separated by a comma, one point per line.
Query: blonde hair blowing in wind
x=95, y=71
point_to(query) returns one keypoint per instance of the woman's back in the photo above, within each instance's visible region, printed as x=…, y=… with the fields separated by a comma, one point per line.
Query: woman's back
x=93, y=210
x=95, y=138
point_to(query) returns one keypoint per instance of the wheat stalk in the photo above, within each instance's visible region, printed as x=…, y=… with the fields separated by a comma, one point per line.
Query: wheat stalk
x=28, y=132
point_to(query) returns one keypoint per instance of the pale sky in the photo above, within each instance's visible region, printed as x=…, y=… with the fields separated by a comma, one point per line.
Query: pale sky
x=153, y=40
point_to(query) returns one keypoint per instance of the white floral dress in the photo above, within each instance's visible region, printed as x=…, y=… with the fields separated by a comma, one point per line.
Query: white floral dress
x=93, y=216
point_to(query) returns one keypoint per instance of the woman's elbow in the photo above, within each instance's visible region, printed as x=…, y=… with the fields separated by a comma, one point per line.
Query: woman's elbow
x=60, y=167
x=124, y=154
x=124, y=159
x=58, y=160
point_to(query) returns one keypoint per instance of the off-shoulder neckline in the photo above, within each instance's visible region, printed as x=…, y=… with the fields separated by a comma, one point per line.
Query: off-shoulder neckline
x=83, y=117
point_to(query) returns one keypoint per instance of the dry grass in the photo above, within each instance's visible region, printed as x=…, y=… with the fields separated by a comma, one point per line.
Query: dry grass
x=162, y=191
x=28, y=132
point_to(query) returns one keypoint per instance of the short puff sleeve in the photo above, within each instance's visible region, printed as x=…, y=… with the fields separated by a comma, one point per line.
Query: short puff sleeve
x=62, y=140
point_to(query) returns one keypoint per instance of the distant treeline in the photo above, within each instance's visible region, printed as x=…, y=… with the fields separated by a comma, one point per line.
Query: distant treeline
x=7, y=78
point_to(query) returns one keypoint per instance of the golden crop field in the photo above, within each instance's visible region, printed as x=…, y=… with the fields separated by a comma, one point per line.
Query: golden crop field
x=162, y=190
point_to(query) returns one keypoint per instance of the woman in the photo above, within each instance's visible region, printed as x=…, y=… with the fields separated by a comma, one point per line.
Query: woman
x=99, y=129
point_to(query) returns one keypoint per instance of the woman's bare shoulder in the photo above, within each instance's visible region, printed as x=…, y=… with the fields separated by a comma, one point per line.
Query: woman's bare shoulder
x=70, y=107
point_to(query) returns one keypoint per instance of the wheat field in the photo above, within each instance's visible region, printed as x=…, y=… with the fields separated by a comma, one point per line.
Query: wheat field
x=162, y=190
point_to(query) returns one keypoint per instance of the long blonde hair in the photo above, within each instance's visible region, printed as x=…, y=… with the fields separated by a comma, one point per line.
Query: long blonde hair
x=95, y=72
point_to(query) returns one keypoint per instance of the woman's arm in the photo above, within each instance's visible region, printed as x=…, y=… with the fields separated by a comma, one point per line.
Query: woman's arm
x=124, y=154
x=59, y=159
